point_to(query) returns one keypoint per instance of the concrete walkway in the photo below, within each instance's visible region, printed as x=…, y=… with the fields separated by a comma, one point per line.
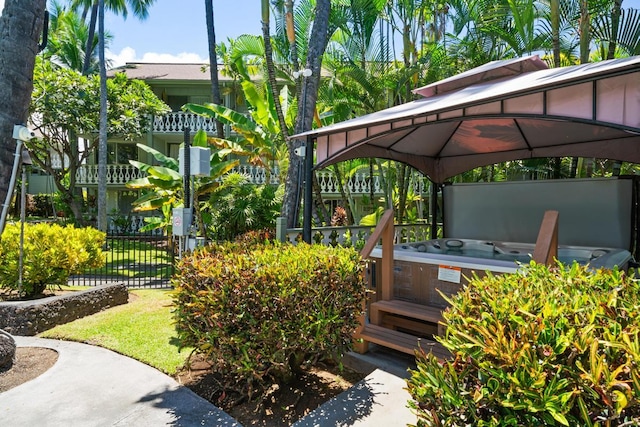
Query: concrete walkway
x=90, y=386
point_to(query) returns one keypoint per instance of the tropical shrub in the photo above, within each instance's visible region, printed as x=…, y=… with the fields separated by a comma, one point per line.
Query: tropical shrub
x=237, y=207
x=43, y=205
x=51, y=254
x=260, y=313
x=542, y=347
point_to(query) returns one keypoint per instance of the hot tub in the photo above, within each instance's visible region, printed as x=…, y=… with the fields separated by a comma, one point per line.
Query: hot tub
x=424, y=269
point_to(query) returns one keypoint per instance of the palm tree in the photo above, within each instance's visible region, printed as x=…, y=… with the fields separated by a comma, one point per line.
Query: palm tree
x=318, y=40
x=21, y=25
x=140, y=10
x=213, y=62
x=67, y=39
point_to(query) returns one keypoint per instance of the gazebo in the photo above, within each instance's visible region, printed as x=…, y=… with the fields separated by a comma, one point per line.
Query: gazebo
x=501, y=111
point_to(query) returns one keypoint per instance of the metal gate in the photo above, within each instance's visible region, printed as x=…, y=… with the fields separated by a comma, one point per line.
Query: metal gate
x=141, y=260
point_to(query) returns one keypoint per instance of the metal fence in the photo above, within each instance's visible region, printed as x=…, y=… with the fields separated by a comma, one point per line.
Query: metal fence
x=141, y=260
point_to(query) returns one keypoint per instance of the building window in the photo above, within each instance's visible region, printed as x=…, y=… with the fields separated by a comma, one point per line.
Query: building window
x=120, y=154
x=176, y=102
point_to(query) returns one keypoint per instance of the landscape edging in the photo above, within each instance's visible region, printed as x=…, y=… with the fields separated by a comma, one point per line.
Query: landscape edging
x=29, y=318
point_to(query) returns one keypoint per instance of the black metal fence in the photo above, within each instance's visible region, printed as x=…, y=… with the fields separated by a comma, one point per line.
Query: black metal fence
x=141, y=260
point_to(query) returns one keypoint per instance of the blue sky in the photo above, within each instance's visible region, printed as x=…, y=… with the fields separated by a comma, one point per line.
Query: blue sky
x=176, y=30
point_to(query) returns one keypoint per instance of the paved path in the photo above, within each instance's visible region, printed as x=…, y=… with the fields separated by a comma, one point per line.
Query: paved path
x=90, y=386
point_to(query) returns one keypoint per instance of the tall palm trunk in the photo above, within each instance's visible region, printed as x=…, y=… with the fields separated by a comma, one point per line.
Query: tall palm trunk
x=21, y=26
x=317, y=45
x=615, y=26
x=585, y=31
x=555, y=31
x=213, y=63
x=271, y=70
x=102, y=144
x=92, y=32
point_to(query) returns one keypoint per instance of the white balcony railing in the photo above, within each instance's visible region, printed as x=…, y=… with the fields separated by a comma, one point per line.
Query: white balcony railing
x=176, y=122
x=116, y=174
x=358, y=184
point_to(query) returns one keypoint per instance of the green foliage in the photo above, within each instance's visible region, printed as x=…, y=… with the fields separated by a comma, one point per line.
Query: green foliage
x=237, y=206
x=162, y=188
x=260, y=312
x=542, y=347
x=42, y=205
x=51, y=254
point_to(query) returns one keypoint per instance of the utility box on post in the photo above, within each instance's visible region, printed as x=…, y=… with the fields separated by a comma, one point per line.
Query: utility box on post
x=200, y=164
x=182, y=218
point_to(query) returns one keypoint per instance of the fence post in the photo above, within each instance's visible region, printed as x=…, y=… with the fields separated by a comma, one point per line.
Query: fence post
x=281, y=229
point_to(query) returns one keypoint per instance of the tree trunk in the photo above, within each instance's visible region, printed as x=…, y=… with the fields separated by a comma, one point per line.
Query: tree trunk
x=317, y=44
x=92, y=31
x=615, y=27
x=102, y=144
x=585, y=35
x=555, y=31
x=213, y=63
x=271, y=70
x=21, y=26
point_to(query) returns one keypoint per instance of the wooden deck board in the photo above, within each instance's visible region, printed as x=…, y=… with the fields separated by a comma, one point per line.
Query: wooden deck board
x=400, y=341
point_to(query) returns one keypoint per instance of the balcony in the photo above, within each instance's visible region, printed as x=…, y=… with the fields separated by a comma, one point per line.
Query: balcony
x=358, y=184
x=176, y=122
x=116, y=174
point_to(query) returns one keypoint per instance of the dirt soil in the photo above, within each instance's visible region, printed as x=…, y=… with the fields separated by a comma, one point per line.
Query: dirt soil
x=30, y=362
x=282, y=406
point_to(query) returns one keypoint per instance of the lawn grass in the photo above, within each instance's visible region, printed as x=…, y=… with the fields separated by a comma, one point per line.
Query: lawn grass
x=125, y=257
x=142, y=329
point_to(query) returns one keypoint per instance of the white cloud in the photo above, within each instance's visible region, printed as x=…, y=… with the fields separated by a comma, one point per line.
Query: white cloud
x=1, y=6
x=128, y=54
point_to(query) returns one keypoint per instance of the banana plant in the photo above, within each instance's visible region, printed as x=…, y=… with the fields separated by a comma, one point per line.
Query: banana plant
x=162, y=188
x=257, y=137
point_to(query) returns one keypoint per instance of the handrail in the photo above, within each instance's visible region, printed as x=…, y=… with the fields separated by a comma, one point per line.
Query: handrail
x=384, y=231
x=372, y=241
x=546, y=249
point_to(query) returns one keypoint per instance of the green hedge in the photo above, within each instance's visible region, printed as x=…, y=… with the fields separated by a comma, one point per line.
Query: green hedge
x=260, y=312
x=51, y=254
x=544, y=347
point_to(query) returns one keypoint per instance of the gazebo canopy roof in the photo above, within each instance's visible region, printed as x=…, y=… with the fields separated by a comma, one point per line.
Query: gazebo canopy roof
x=501, y=111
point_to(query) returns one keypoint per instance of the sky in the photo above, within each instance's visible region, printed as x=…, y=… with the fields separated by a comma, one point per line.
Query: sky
x=176, y=30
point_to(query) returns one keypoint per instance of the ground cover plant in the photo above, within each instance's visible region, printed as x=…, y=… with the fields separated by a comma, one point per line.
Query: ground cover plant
x=545, y=347
x=51, y=254
x=261, y=312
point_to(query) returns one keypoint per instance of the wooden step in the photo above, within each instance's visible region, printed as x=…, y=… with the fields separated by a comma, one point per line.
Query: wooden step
x=400, y=341
x=422, y=312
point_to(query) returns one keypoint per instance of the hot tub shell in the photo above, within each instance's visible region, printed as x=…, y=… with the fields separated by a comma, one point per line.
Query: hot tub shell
x=424, y=269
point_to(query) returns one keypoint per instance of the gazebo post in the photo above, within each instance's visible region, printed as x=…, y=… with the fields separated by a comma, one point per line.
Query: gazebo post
x=308, y=190
x=434, y=210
